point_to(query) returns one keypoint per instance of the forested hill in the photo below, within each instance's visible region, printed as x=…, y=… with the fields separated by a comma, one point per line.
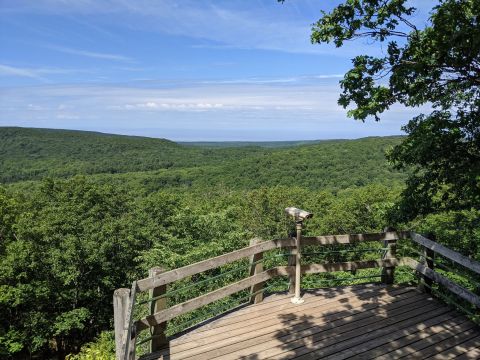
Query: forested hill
x=265, y=144
x=32, y=154
x=29, y=154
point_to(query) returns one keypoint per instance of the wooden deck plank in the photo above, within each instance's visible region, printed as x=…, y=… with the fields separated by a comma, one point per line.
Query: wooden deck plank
x=245, y=322
x=446, y=344
x=415, y=341
x=437, y=333
x=465, y=347
x=252, y=311
x=276, y=323
x=294, y=339
x=316, y=305
x=299, y=327
x=473, y=354
x=332, y=349
x=355, y=322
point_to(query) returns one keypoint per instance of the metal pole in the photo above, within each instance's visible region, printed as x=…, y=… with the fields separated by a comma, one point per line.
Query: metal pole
x=297, y=298
x=299, y=215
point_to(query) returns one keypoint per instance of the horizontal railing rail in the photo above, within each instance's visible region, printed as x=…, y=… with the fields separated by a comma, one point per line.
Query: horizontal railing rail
x=444, y=281
x=199, y=267
x=463, y=260
x=427, y=268
x=203, y=300
x=336, y=267
x=354, y=238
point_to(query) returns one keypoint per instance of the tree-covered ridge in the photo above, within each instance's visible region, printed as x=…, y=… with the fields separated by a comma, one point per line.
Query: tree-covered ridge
x=29, y=154
x=264, y=144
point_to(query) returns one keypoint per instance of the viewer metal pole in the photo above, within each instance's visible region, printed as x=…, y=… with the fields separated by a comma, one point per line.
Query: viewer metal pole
x=299, y=216
x=297, y=299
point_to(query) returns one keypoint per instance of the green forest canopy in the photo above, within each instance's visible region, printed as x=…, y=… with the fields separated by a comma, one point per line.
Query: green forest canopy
x=30, y=154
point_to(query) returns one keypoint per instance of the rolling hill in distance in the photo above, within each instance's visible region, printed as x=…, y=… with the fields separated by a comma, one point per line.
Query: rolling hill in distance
x=33, y=154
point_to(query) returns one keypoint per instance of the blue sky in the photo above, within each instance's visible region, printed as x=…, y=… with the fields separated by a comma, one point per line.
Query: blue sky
x=183, y=70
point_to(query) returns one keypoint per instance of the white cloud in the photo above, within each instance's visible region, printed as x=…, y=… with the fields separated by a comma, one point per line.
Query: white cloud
x=282, y=80
x=151, y=105
x=36, y=73
x=265, y=24
x=6, y=70
x=91, y=54
x=34, y=107
x=67, y=116
x=303, y=109
x=243, y=95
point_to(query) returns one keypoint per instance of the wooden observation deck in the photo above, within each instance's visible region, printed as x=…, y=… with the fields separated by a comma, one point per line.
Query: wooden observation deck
x=364, y=321
x=357, y=322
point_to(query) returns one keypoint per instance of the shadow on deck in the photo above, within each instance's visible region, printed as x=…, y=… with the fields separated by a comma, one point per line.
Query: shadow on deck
x=355, y=322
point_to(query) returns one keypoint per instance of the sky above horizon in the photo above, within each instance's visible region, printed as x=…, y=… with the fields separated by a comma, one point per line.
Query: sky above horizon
x=183, y=70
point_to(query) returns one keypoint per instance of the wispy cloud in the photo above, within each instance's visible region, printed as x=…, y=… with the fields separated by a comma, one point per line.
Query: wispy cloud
x=265, y=25
x=6, y=70
x=281, y=80
x=172, y=106
x=235, y=111
x=91, y=54
x=227, y=25
x=37, y=73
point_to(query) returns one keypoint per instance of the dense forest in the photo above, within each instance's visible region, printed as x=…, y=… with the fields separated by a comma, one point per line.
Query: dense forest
x=97, y=211
x=32, y=154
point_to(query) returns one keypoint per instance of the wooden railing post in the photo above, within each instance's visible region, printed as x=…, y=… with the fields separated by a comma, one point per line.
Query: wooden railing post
x=121, y=298
x=129, y=338
x=256, y=267
x=388, y=273
x=159, y=339
x=428, y=257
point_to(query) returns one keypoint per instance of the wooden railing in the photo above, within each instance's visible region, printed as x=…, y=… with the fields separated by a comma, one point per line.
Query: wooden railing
x=127, y=328
x=429, y=275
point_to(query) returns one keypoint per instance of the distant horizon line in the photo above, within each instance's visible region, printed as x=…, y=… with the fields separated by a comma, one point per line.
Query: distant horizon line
x=198, y=141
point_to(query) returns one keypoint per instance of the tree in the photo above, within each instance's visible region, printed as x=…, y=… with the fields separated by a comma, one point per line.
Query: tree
x=65, y=253
x=436, y=65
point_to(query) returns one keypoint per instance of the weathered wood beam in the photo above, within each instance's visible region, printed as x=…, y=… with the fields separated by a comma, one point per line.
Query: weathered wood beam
x=442, y=280
x=159, y=338
x=334, y=267
x=183, y=272
x=442, y=250
x=256, y=267
x=129, y=332
x=121, y=298
x=388, y=272
x=353, y=238
x=428, y=260
x=187, y=306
